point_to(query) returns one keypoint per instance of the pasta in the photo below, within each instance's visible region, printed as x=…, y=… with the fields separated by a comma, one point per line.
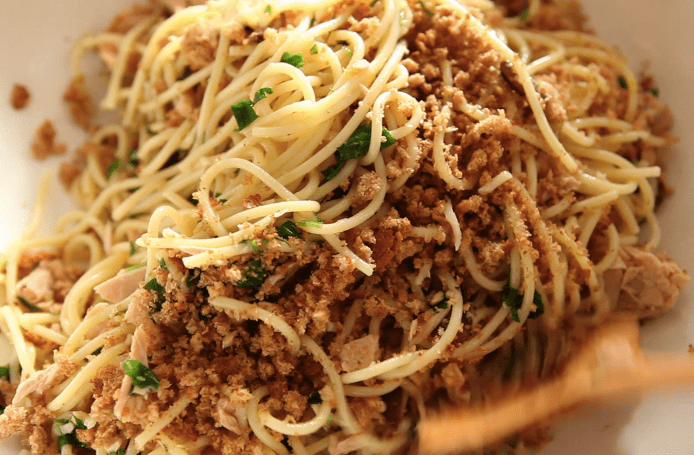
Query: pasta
x=317, y=221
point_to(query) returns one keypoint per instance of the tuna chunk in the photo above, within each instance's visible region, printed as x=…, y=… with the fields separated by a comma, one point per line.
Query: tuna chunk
x=359, y=353
x=121, y=286
x=644, y=283
x=45, y=379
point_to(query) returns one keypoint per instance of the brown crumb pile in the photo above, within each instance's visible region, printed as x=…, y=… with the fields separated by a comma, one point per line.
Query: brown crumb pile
x=44, y=144
x=20, y=96
x=220, y=357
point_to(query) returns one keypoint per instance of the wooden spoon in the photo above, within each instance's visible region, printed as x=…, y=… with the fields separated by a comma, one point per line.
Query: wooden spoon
x=610, y=365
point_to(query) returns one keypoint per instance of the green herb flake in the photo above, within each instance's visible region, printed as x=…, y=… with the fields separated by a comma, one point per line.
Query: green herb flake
x=153, y=285
x=373, y=3
x=98, y=350
x=654, y=91
x=254, y=275
x=142, y=376
x=348, y=51
x=133, y=248
x=296, y=60
x=5, y=371
x=261, y=94
x=253, y=244
x=136, y=266
x=314, y=49
x=113, y=168
x=315, y=398
x=186, y=72
x=285, y=442
x=205, y=317
x=2, y=410
x=330, y=420
x=71, y=437
x=137, y=215
x=192, y=279
x=514, y=299
x=288, y=229
x=426, y=10
x=442, y=305
x=317, y=223
x=117, y=452
x=356, y=146
x=622, y=82
x=243, y=113
x=525, y=15
x=162, y=264
x=29, y=306
x=133, y=160
x=268, y=9
x=537, y=300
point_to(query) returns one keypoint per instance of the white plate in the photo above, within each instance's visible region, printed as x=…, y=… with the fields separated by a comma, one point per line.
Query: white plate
x=35, y=40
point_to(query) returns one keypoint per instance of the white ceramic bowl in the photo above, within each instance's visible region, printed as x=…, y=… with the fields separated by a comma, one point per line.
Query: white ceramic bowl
x=35, y=41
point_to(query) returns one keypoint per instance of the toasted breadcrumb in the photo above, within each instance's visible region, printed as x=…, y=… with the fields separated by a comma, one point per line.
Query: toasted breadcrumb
x=44, y=144
x=20, y=96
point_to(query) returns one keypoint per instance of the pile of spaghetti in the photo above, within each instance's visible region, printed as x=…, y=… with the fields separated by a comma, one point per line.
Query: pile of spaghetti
x=317, y=221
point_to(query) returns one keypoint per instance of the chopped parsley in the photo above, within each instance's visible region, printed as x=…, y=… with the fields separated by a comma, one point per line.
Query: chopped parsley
x=136, y=266
x=315, y=398
x=153, y=285
x=317, y=223
x=293, y=59
x=113, y=168
x=254, y=275
x=118, y=452
x=442, y=305
x=133, y=248
x=654, y=91
x=514, y=299
x=186, y=72
x=2, y=410
x=261, y=94
x=5, y=371
x=285, y=442
x=192, y=279
x=622, y=82
x=162, y=264
x=288, y=229
x=137, y=215
x=314, y=49
x=29, y=306
x=268, y=9
x=253, y=244
x=243, y=110
x=143, y=377
x=98, y=350
x=133, y=160
x=330, y=420
x=244, y=113
x=525, y=15
x=348, y=51
x=426, y=10
x=71, y=437
x=356, y=146
x=373, y=3
x=205, y=317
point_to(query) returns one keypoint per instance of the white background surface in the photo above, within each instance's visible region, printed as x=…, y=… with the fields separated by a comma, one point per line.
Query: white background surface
x=35, y=40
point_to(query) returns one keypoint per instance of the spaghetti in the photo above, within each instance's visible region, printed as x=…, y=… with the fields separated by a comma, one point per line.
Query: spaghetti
x=319, y=220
